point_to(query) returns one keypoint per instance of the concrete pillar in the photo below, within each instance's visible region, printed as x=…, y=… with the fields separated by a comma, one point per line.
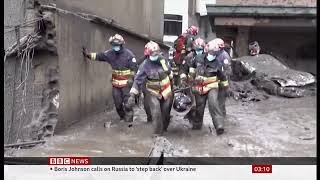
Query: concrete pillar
x=242, y=41
x=204, y=24
x=206, y=30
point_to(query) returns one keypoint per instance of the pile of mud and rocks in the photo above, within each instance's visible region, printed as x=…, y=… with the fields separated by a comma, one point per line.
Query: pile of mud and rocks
x=254, y=78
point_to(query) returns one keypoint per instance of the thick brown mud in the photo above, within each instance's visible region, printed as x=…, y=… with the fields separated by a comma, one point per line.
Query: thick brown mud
x=276, y=127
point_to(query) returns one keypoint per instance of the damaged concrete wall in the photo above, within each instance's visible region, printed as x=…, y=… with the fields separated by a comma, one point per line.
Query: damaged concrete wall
x=17, y=13
x=296, y=47
x=144, y=17
x=14, y=13
x=17, y=122
x=30, y=80
x=85, y=86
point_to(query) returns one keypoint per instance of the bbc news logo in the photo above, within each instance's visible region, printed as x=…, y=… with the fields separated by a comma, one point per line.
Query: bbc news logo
x=68, y=161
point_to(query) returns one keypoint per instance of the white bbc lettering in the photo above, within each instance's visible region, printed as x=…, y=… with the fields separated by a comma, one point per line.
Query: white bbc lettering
x=66, y=161
x=59, y=160
x=53, y=160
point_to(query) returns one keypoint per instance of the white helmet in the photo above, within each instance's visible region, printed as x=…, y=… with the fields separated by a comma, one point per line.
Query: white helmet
x=212, y=46
x=116, y=39
x=220, y=42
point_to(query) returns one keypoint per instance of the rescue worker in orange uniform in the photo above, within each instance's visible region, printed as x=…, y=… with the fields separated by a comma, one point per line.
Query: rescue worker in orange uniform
x=209, y=73
x=155, y=72
x=124, y=67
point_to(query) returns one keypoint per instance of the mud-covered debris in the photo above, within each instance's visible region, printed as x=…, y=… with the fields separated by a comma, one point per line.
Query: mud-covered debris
x=231, y=143
x=9, y=152
x=211, y=129
x=268, y=74
x=107, y=124
x=307, y=137
x=244, y=91
x=162, y=146
x=271, y=68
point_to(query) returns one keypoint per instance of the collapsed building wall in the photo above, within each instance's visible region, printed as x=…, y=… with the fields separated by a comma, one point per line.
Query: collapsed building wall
x=23, y=103
x=30, y=78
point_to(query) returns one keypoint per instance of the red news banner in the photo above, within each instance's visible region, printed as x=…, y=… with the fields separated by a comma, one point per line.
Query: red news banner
x=261, y=168
x=69, y=161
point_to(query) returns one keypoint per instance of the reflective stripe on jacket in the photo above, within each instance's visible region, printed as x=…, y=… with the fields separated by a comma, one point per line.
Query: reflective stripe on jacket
x=156, y=77
x=206, y=84
x=123, y=64
x=160, y=88
x=120, y=77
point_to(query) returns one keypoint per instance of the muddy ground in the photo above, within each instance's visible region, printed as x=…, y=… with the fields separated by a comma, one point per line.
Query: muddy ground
x=274, y=127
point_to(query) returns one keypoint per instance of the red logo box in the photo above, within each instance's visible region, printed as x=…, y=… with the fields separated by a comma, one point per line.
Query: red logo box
x=68, y=161
x=261, y=168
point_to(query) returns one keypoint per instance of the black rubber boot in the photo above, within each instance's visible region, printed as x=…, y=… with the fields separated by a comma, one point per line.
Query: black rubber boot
x=215, y=111
x=197, y=119
x=149, y=119
x=129, y=116
x=196, y=127
x=220, y=131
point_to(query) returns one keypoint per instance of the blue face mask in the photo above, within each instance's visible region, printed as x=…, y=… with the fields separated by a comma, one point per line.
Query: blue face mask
x=199, y=51
x=154, y=58
x=116, y=48
x=211, y=57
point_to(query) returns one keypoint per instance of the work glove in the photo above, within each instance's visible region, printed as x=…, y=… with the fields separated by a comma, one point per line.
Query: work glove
x=85, y=52
x=131, y=101
x=184, y=82
x=130, y=81
x=199, y=79
x=224, y=91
